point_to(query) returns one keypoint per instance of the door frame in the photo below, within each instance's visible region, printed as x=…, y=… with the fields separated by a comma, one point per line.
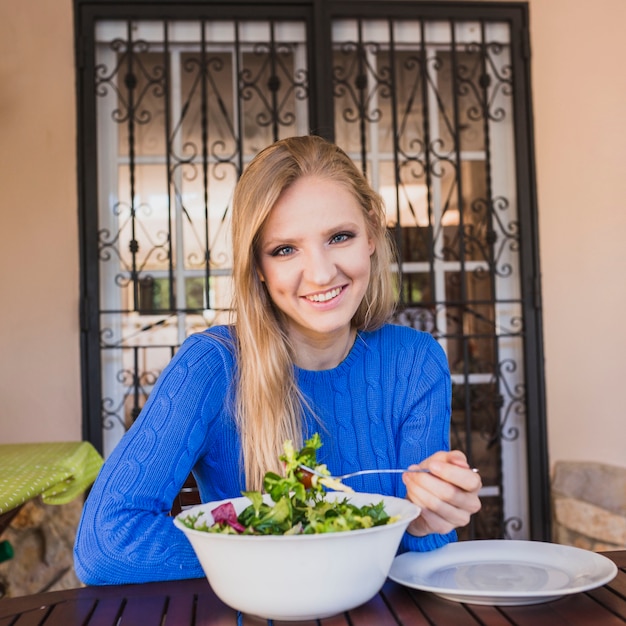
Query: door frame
x=319, y=15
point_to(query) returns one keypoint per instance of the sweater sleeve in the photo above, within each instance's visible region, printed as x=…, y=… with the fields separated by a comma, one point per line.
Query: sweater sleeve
x=125, y=534
x=426, y=428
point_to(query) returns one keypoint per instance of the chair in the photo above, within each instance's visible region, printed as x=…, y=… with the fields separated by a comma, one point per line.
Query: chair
x=189, y=495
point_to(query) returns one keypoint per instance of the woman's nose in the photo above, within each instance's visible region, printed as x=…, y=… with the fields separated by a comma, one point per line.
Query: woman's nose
x=319, y=267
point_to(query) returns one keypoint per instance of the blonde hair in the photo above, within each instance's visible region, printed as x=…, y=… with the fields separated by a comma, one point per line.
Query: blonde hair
x=268, y=404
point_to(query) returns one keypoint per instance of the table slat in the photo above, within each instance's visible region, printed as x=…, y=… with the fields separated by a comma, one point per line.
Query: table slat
x=180, y=610
x=581, y=610
x=335, y=620
x=618, y=557
x=107, y=612
x=487, y=615
x=404, y=605
x=73, y=612
x=374, y=612
x=532, y=615
x=574, y=610
x=145, y=611
x=32, y=618
x=618, y=584
x=250, y=620
x=608, y=599
x=440, y=611
x=211, y=611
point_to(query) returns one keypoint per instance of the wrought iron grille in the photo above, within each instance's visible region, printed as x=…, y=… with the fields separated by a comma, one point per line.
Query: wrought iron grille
x=432, y=103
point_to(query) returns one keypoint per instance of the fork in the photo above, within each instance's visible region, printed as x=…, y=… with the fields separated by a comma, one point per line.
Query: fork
x=361, y=472
x=368, y=471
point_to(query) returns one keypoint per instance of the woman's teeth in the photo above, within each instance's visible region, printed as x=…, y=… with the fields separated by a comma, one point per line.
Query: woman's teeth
x=324, y=297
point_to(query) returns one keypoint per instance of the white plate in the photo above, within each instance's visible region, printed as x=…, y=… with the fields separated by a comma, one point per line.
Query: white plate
x=503, y=572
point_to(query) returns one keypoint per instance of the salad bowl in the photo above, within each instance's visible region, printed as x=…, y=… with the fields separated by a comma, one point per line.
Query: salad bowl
x=304, y=576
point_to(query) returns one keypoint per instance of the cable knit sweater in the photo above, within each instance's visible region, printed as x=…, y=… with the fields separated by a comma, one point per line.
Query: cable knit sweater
x=387, y=404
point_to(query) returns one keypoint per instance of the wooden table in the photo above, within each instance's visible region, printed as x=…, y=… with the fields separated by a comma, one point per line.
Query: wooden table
x=192, y=602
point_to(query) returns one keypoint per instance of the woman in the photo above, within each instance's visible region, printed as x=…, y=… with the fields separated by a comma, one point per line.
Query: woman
x=310, y=351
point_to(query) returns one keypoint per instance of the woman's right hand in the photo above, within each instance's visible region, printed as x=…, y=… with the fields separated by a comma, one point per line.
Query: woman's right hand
x=447, y=494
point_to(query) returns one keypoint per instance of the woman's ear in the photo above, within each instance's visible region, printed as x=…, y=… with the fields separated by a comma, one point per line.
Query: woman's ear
x=371, y=245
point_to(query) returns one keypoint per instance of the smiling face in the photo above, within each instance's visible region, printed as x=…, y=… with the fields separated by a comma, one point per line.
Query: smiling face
x=314, y=257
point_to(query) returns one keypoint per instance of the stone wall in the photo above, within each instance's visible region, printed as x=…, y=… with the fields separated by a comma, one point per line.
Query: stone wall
x=589, y=505
x=42, y=538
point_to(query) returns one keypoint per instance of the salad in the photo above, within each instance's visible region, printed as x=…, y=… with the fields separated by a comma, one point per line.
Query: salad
x=299, y=503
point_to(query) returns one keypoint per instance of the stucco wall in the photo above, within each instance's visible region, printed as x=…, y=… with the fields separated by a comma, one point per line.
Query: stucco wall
x=39, y=333
x=580, y=129
x=579, y=96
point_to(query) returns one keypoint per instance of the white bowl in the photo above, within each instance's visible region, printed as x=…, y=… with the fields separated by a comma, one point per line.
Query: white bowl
x=299, y=577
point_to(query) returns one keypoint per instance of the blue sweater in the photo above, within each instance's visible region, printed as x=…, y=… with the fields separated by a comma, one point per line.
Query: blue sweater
x=386, y=405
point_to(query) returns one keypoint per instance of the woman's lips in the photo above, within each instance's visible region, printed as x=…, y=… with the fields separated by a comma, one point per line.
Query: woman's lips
x=325, y=296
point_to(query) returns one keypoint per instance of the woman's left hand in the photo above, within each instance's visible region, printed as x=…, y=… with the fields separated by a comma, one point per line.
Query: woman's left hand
x=447, y=495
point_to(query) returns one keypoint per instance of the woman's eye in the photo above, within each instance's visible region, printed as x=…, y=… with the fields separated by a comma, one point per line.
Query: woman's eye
x=282, y=251
x=341, y=237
